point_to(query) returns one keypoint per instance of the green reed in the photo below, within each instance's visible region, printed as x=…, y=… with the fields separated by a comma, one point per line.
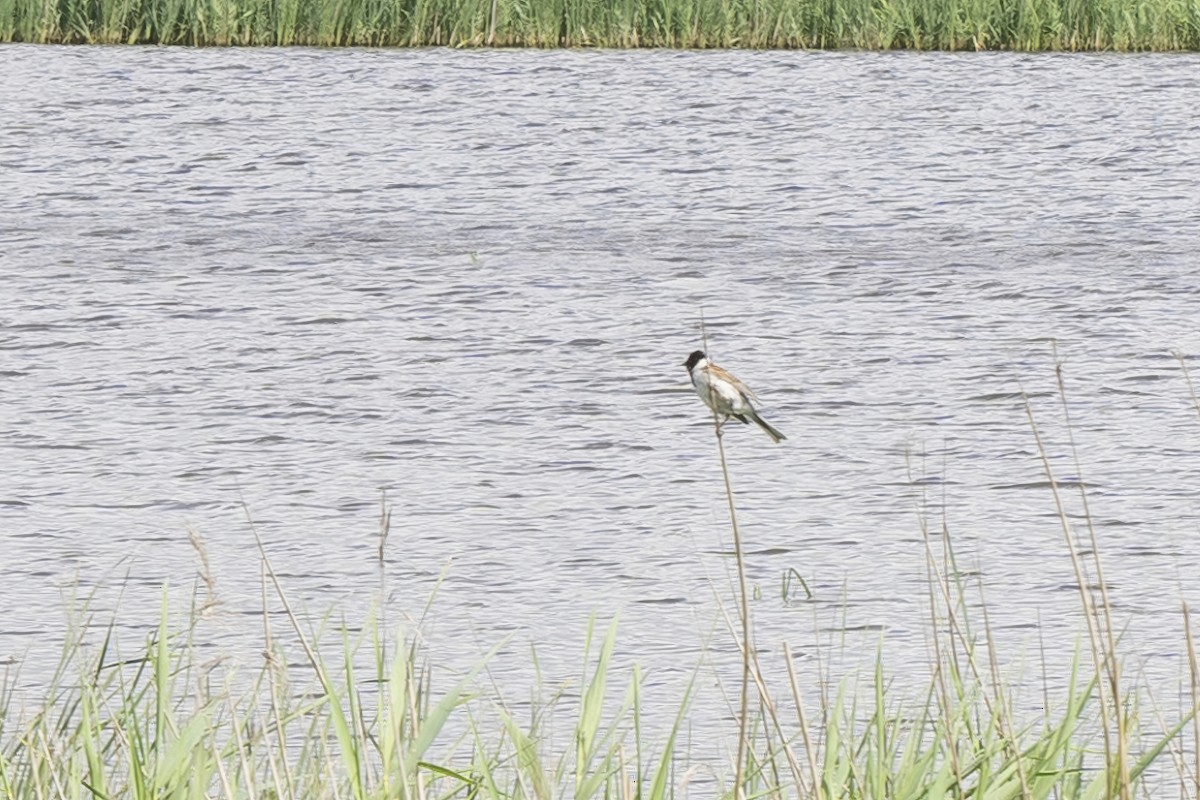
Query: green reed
x=164, y=719
x=1025, y=25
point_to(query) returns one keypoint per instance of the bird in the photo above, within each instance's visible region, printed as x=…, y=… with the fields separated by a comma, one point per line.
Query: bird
x=725, y=394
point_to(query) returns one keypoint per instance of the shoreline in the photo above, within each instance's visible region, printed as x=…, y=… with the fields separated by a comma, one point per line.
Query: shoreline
x=1032, y=26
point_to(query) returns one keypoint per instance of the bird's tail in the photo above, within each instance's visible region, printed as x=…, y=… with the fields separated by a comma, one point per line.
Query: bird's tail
x=775, y=435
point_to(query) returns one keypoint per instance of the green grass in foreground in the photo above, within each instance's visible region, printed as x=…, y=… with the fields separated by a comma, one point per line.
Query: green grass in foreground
x=159, y=723
x=1027, y=25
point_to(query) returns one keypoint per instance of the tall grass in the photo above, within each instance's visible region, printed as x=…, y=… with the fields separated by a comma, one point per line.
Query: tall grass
x=164, y=721
x=1025, y=25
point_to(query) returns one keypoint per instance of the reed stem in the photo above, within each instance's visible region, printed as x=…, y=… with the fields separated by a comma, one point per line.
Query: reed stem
x=743, y=614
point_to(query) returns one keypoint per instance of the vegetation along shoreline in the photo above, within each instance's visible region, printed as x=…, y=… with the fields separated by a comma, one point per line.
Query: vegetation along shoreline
x=951, y=25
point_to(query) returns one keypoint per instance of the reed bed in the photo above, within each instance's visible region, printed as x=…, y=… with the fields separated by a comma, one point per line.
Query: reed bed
x=1022, y=25
x=167, y=721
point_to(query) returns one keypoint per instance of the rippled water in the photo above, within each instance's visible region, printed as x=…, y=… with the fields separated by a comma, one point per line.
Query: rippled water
x=294, y=279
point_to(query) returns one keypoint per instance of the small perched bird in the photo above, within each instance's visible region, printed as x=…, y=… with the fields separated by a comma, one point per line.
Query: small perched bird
x=725, y=394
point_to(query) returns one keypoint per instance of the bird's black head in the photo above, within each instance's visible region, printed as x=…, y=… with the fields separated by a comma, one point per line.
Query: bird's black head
x=694, y=359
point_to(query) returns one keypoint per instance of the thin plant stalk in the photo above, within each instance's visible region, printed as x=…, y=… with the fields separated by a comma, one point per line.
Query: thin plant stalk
x=1193, y=668
x=1112, y=669
x=1194, y=675
x=1188, y=377
x=743, y=613
x=770, y=709
x=809, y=749
x=1099, y=657
x=743, y=592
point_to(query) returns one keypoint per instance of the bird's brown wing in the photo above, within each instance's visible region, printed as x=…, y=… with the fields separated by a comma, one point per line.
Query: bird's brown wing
x=725, y=375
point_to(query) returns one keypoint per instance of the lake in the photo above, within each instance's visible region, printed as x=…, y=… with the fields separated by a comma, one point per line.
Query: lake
x=284, y=283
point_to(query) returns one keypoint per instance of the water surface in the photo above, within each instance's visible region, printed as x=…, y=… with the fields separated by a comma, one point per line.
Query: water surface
x=284, y=282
